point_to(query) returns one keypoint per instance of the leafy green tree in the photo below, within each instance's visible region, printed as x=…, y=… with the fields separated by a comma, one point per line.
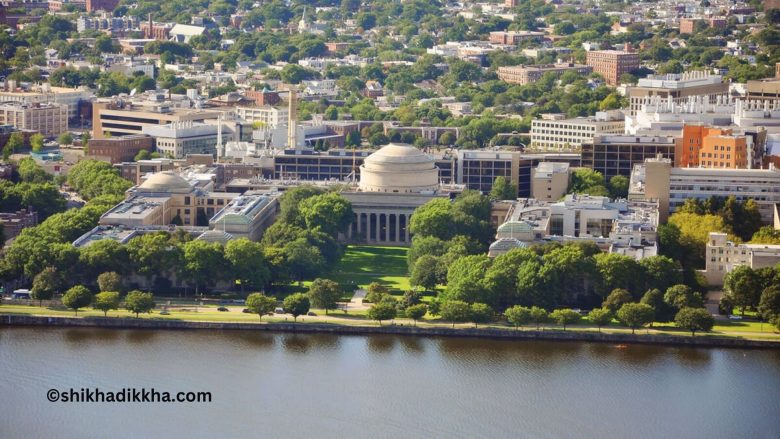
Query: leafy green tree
x=324, y=293
x=247, y=263
x=46, y=284
x=382, y=311
x=105, y=255
x=109, y=281
x=465, y=279
x=743, y=287
x=635, y=315
x=36, y=142
x=618, y=186
x=455, y=311
x=296, y=304
x=260, y=304
x=503, y=189
x=663, y=312
x=426, y=272
x=518, y=315
x=501, y=276
x=539, y=316
x=77, y=297
x=769, y=304
x=619, y=271
x=766, y=235
x=303, y=260
x=616, y=299
x=661, y=272
x=203, y=262
x=375, y=292
x=481, y=313
x=565, y=317
x=14, y=143
x=139, y=302
x=600, y=317
x=584, y=179
x=682, y=296
x=433, y=218
x=65, y=138
x=411, y=298
x=416, y=312
x=694, y=319
x=331, y=212
x=106, y=301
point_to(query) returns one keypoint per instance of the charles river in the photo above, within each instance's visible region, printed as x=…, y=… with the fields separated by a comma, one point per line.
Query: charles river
x=324, y=386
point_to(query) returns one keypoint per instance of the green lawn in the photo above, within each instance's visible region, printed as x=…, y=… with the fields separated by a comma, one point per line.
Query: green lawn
x=363, y=264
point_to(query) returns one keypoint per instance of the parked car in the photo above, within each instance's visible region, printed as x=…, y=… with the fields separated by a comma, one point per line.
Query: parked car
x=164, y=313
x=245, y=310
x=311, y=313
x=733, y=317
x=222, y=308
x=279, y=311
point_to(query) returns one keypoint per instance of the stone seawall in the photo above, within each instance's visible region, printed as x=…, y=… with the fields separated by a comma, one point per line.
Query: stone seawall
x=527, y=334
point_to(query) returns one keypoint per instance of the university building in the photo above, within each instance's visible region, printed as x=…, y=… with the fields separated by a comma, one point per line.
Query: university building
x=554, y=132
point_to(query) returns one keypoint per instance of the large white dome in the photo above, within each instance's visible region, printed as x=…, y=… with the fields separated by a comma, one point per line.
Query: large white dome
x=165, y=181
x=399, y=168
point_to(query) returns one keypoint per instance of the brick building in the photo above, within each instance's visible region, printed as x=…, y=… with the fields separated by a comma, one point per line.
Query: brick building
x=612, y=64
x=120, y=149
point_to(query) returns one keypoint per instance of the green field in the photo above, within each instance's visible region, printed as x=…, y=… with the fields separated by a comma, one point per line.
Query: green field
x=363, y=264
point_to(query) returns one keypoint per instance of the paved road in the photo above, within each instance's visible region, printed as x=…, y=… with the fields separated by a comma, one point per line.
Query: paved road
x=357, y=300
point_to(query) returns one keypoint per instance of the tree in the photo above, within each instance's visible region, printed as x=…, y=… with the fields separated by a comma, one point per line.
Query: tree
x=518, y=315
x=682, y=296
x=203, y=262
x=538, y=316
x=247, y=263
x=663, y=312
x=618, y=186
x=411, y=298
x=296, y=304
x=465, y=279
x=105, y=255
x=635, y=315
x=331, y=212
x=77, y=297
x=565, y=317
x=694, y=319
x=769, y=305
x=619, y=271
x=661, y=272
x=14, y=143
x=416, y=312
x=600, y=317
x=260, y=304
x=742, y=286
x=616, y=299
x=481, y=313
x=138, y=301
x=455, y=311
x=46, y=283
x=65, y=138
x=109, y=281
x=503, y=189
x=106, y=301
x=383, y=310
x=36, y=142
x=766, y=235
x=584, y=179
x=375, y=292
x=324, y=293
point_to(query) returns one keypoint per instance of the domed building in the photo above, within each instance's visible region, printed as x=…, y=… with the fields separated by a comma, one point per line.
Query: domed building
x=165, y=181
x=394, y=181
x=399, y=168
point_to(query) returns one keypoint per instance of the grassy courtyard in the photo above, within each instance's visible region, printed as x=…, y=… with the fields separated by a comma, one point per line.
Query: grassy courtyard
x=363, y=264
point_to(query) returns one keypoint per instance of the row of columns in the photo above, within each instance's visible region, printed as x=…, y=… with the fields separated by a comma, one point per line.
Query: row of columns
x=380, y=227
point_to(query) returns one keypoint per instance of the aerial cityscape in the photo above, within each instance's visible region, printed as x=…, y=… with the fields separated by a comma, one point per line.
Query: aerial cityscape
x=389, y=218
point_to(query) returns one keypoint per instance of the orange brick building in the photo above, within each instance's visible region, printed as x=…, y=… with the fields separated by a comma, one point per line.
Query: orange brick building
x=707, y=147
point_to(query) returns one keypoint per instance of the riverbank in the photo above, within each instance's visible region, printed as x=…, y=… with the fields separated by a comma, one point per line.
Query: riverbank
x=329, y=328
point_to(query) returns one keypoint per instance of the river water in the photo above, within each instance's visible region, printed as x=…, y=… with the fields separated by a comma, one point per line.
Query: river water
x=324, y=386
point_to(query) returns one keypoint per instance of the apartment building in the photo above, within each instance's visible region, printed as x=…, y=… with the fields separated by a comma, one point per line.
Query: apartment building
x=526, y=74
x=49, y=119
x=71, y=97
x=678, y=87
x=617, y=154
x=612, y=64
x=554, y=132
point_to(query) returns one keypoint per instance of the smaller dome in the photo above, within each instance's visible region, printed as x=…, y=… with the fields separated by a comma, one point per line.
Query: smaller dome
x=398, y=153
x=165, y=181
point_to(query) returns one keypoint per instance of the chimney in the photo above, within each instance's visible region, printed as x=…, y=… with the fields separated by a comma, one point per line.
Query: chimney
x=292, y=117
x=150, y=26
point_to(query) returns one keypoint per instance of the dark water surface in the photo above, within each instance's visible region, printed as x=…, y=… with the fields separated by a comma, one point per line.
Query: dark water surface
x=323, y=386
